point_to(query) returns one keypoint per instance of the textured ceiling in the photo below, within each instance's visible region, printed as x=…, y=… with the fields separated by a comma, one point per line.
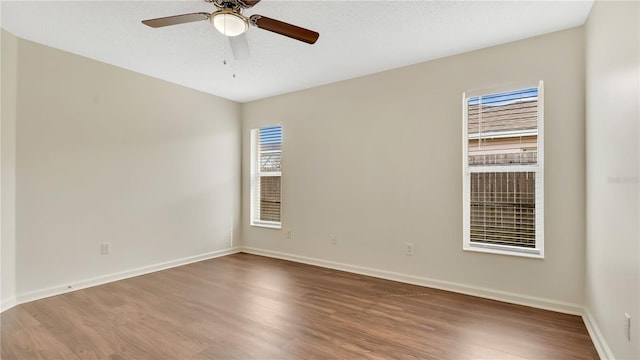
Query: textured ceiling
x=356, y=37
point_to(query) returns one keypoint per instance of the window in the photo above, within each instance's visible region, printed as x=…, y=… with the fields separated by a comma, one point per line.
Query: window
x=503, y=172
x=266, y=173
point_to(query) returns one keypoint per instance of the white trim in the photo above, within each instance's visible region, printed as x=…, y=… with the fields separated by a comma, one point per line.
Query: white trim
x=267, y=224
x=538, y=169
x=269, y=173
x=502, y=168
x=504, y=88
x=541, y=303
x=503, y=250
x=8, y=304
x=540, y=196
x=598, y=340
x=255, y=176
x=503, y=134
x=466, y=178
x=104, y=279
x=513, y=298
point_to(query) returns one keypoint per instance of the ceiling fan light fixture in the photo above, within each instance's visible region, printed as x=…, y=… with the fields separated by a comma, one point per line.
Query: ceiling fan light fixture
x=229, y=23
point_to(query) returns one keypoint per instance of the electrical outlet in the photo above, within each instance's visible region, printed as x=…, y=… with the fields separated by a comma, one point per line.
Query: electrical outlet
x=105, y=248
x=627, y=326
x=288, y=234
x=334, y=239
x=409, y=250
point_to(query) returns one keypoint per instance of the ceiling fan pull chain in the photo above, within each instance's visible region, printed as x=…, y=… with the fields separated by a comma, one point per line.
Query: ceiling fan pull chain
x=233, y=69
x=224, y=62
x=224, y=54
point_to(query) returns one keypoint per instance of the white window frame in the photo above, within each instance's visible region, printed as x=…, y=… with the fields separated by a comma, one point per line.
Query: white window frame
x=256, y=174
x=538, y=169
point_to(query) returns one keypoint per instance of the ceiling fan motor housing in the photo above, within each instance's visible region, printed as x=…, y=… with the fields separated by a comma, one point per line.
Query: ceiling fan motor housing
x=231, y=4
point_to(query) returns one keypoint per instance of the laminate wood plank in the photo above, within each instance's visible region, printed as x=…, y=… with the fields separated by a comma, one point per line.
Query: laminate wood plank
x=18, y=319
x=68, y=324
x=250, y=307
x=34, y=343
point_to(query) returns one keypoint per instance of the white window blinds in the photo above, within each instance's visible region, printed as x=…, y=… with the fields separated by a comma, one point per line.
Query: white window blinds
x=503, y=179
x=266, y=176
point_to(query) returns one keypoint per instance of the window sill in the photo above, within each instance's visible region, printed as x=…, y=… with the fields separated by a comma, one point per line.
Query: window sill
x=528, y=253
x=267, y=224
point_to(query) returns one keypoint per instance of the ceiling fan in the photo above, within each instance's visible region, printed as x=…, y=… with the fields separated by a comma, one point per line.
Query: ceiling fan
x=229, y=20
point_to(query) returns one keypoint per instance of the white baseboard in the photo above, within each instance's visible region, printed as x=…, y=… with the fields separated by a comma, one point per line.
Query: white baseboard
x=7, y=304
x=574, y=309
x=526, y=300
x=100, y=280
x=596, y=336
x=513, y=298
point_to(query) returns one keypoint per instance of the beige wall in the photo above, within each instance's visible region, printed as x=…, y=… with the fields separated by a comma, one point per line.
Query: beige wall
x=8, y=194
x=613, y=163
x=377, y=161
x=108, y=155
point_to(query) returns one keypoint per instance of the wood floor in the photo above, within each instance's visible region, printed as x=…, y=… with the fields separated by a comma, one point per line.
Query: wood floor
x=250, y=307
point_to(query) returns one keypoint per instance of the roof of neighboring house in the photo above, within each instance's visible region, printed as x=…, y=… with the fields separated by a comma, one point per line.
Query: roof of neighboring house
x=521, y=115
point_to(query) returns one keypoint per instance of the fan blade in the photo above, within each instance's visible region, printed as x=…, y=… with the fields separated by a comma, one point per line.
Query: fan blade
x=282, y=28
x=246, y=4
x=240, y=47
x=175, y=20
